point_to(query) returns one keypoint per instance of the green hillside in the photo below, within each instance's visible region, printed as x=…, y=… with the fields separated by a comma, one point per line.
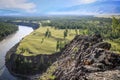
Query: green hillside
x=38, y=43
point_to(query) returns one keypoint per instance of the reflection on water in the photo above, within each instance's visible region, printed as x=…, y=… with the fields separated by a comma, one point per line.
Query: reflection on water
x=8, y=43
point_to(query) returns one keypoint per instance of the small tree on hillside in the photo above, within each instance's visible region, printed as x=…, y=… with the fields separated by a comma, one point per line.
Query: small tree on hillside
x=61, y=45
x=48, y=33
x=65, y=33
x=57, y=45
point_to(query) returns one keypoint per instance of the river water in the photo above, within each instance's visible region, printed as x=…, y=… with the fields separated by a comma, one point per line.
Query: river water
x=8, y=43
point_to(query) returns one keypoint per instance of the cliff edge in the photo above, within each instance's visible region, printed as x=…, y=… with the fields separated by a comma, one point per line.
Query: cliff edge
x=87, y=58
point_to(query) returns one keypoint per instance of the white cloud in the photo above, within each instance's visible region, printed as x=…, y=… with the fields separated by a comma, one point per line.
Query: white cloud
x=78, y=2
x=87, y=1
x=17, y=4
x=71, y=3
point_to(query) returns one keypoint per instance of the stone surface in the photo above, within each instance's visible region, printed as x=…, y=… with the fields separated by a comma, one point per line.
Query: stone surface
x=88, y=58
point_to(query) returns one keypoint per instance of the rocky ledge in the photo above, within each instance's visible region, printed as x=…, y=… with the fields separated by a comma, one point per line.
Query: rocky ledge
x=88, y=58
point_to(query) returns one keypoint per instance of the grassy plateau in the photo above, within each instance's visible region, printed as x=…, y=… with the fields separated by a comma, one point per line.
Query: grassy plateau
x=36, y=43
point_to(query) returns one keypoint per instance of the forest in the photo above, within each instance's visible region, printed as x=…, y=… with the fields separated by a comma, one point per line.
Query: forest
x=107, y=27
x=6, y=29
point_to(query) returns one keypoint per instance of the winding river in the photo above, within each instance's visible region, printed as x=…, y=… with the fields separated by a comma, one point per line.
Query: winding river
x=8, y=43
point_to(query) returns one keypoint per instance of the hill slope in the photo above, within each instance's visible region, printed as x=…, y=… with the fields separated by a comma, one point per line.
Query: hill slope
x=36, y=43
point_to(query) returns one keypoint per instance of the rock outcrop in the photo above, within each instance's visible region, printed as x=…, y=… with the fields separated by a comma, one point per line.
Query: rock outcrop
x=88, y=58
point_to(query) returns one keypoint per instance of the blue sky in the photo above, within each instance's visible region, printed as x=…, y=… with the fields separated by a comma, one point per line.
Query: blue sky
x=58, y=7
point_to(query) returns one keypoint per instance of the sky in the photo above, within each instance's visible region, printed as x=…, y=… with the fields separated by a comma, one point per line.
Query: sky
x=58, y=7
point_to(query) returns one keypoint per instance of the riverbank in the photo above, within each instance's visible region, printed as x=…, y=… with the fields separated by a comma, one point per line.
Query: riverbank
x=33, y=25
x=28, y=66
x=7, y=29
x=7, y=44
x=10, y=28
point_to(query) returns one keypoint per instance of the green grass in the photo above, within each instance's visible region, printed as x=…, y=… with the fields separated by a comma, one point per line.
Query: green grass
x=48, y=74
x=115, y=45
x=33, y=45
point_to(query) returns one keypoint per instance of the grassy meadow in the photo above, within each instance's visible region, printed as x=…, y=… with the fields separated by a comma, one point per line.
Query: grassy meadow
x=36, y=43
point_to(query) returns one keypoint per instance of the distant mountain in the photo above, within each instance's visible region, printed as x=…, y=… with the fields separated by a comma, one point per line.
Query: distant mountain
x=107, y=7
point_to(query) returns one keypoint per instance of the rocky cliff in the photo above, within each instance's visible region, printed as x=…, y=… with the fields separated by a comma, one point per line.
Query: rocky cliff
x=26, y=67
x=88, y=58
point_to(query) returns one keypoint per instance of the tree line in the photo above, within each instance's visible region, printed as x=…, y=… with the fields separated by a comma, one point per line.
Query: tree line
x=6, y=29
x=109, y=28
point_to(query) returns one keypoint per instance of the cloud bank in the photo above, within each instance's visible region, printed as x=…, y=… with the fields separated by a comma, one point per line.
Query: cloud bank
x=18, y=4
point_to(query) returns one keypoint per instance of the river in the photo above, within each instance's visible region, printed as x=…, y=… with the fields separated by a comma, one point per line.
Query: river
x=8, y=43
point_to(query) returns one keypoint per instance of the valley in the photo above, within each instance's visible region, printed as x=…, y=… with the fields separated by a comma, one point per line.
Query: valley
x=39, y=54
